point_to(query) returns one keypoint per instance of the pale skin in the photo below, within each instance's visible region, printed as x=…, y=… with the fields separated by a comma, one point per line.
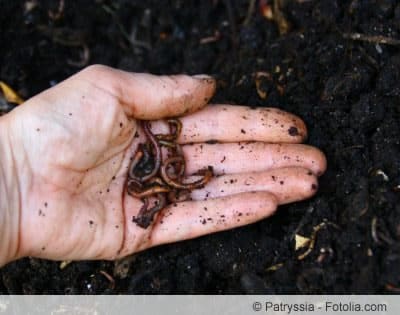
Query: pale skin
x=64, y=156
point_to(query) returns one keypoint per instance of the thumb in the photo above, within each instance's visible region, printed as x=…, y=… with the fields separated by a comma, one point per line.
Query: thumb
x=147, y=96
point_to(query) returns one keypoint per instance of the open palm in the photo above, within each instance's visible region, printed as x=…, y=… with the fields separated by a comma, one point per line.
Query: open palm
x=72, y=146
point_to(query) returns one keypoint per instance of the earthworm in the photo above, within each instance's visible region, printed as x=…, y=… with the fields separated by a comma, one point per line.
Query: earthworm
x=155, y=180
x=150, y=176
x=179, y=171
x=140, y=160
x=145, y=215
x=157, y=151
x=136, y=189
x=135, y=161
x=175, y=127
x=146, y=163
x=208, y=173
x=178, y=195
x=167, y=143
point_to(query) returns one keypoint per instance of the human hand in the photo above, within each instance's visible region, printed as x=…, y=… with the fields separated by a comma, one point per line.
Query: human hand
x=66, y=153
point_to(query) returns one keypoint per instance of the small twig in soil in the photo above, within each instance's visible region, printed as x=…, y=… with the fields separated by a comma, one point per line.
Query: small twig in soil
x=374, y=39
x=231, y=18
x=250, y=11
x=279, y=17
x=377, y=236
x=210, y=39
x=324, y=253
x=302, y=222
x=356, y=146
x=392, y=288
x=373, y=230
x=130, y=38
x=368, y=58
x=85, y=56
x=58, y=14
x=109, y=278
x=63, y=35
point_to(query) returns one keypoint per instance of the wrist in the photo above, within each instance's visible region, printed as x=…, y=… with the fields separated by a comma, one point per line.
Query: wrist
x=9, y=197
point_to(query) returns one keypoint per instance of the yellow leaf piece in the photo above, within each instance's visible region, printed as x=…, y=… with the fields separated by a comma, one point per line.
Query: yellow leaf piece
x=275, y=267
x=258, y=77
x=313, y=238
x=301, y=241
x=9, y=94
x=64, y=264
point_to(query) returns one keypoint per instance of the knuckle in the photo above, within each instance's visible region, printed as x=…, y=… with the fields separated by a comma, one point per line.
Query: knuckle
x=95, y=69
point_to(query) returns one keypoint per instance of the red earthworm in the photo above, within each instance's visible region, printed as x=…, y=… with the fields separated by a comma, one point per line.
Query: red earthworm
x=175, y=127
x=177, y=151
x=141, y=157
x=155, y=180
x=136, y=189
x=157, y=151
x=135, y=161
x=208, y=174
x=178, y=195
x=145, y=216
x=149, y=176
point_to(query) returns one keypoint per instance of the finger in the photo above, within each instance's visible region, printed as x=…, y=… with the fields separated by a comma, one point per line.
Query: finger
x=240, y=123
x=146, y=96
x=287, y=184
x=192, y=219
x=233, y=158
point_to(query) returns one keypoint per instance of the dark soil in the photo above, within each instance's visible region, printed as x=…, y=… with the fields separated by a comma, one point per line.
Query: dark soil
x=346, y=90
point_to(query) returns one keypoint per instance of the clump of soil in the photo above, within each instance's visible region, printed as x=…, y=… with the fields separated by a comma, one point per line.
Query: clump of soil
x=307, y=58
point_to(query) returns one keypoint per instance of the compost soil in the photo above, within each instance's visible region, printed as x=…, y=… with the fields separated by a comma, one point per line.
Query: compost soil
x=303, y=56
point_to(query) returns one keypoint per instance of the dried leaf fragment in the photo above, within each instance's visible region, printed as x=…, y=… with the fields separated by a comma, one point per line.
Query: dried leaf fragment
x=301, y=241
x=275, y=267
x=64, y=264
x=259, y=77
x=9, y=94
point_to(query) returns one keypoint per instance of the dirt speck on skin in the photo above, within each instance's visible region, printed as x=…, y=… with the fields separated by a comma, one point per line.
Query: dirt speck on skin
x=346, y=91
x=293, y=131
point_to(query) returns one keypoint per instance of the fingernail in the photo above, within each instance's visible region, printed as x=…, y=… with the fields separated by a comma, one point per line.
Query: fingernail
x=202, y=76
